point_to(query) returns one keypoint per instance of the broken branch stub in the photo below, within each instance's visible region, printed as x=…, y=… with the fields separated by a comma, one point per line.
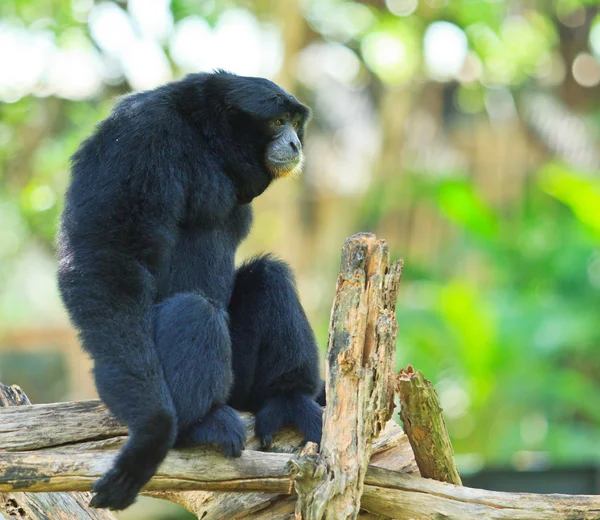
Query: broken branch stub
x=425, y=427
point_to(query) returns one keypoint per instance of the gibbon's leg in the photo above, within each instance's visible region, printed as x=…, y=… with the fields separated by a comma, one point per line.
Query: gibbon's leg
x=275, y=357
x=192, y=339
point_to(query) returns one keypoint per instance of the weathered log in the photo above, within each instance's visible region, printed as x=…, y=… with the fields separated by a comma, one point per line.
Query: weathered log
x=41, y=506
x=360, y=382
x=386, y=492
x=425, y=427
x=404, y=497
x=389, y=493
x=55, y=506
x=391, y=450
x=66, y=446
x=74, y=470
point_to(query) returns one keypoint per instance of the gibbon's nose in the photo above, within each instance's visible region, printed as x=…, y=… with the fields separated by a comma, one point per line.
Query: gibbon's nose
x=295, y=143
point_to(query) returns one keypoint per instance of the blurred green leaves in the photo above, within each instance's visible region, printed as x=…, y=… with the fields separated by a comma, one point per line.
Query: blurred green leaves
x=460, y=203
x=467, y=12
x=512, y=315
x=581, y=193
x=471, y=320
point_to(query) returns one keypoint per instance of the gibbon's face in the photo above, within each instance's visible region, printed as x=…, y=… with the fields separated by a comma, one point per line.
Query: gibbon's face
x=269, y=119
x=284, y=156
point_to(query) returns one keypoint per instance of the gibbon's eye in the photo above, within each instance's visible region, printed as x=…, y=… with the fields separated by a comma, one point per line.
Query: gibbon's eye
x=295, y=125
x=278, y=122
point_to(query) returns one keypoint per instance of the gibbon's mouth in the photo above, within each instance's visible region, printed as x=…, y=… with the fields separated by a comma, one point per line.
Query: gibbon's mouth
x=284, y=169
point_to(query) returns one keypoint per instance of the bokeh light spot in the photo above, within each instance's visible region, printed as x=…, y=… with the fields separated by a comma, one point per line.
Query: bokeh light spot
x=445, y=49
x=586, y=70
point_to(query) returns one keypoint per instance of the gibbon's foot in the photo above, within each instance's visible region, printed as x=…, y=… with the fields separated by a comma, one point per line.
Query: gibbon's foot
x=140, y=457
x=221, y=427
x=116, y=490
x=299, y=410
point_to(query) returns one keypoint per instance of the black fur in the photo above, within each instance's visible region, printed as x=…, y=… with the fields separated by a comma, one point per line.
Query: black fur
x=157, y=206
x=274, y=371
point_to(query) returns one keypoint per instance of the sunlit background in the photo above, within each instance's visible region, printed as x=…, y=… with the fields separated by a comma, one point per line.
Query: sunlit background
x=464, y=132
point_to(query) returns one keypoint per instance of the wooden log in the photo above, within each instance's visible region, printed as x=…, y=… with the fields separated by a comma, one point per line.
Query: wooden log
x=42, y=506
x=82, y=425
x=391, y=450
x=387, y=492
x=360, y=388
x=404, y=497
x=74, y=442
x=203, y=468
x=425, y=427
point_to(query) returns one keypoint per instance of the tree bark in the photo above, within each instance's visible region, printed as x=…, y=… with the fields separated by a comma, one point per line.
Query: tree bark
x=425, y=427
x=360, y=382
x=41, y=506
x=386, y=492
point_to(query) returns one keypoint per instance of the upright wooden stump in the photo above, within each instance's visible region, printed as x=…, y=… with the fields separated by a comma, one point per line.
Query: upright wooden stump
x=360, y=382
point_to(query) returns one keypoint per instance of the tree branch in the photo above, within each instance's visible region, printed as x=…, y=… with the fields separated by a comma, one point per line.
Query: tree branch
x=425, y=427
x=404, y=497
x=391, y=450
